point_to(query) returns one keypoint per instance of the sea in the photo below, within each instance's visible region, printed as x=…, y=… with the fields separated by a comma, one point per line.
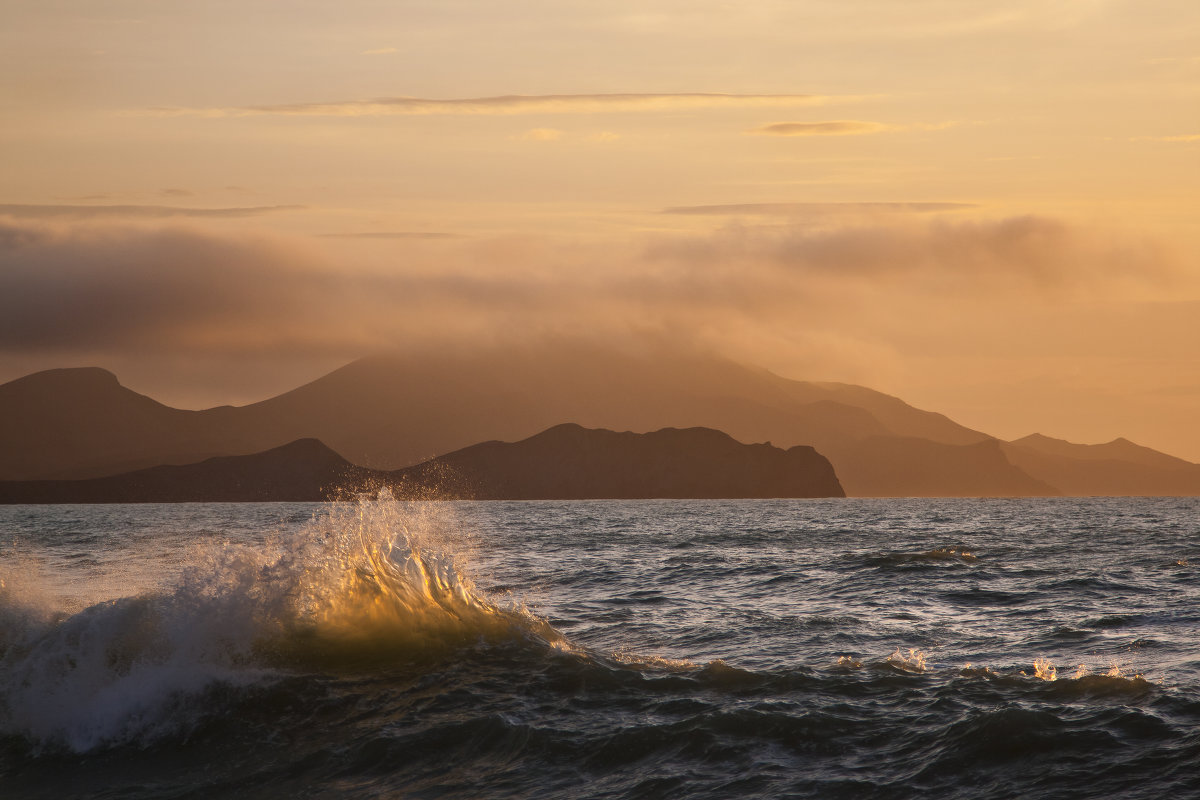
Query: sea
x=850, y=648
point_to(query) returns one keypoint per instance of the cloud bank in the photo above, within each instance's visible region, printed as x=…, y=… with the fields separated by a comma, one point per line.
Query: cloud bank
x=191, y=290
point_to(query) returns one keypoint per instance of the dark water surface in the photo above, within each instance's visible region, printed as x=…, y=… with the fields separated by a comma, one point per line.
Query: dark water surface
x=698, y=649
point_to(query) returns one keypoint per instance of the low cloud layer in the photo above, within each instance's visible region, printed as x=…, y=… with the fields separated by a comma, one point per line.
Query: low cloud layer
x=191, y=290
x=938, y=259
x=512, y=104
x=934, y=308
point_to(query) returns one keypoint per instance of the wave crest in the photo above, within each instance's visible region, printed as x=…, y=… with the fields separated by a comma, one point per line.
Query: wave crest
x=369, y=583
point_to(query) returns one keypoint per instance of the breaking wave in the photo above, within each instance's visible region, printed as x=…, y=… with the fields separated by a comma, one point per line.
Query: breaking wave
x=368, y=584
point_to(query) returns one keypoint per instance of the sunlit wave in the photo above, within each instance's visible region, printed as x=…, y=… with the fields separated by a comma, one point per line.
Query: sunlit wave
x=368, y=584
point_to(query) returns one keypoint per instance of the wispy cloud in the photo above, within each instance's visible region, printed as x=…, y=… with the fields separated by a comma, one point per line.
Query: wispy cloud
x=835, y=128
x=30, y=211
x=380, y=51
x=844, y=127
x=512, y=104
x=391, y=235
x=541, y=135
x=87, y=198
x=1186, y=137
x=805, y=209
x=1175, y=60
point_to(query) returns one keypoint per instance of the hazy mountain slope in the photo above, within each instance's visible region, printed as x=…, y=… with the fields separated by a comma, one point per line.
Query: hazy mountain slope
x=892, y=412
x=424, y=404
x=69, y=423
x=302, y=471
x=1117, y=450
x=1114, y=469
x=893, y=466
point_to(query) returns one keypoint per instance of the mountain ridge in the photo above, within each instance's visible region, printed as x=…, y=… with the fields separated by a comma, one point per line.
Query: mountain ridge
x=396, y=410
x=567, y=461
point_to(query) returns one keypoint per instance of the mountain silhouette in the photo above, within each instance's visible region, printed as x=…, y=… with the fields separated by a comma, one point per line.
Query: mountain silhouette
x=572, y=462
x=564, y=462
x=395, y=410
x=1117, y=468
x=301, y=471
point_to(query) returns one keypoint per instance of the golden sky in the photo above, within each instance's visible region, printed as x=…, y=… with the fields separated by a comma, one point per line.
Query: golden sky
x=988, y=209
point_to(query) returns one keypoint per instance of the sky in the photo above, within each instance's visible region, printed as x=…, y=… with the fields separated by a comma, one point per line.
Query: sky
x=988, y=209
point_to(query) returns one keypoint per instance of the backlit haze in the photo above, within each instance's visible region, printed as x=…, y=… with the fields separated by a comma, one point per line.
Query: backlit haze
x=986, y=209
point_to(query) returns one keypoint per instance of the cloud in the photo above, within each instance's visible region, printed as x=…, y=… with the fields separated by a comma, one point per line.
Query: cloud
x=554, y=135
x=542, y=135
x=176, y=193
x=1175, y=60
x=116, y=286
x=1187, y=137
x=513, y=104
x=842, y=128
x=838, y=128
x=811, y=209
x=944, y=256
x=29, y=211
x=380, y=51
x=103, y=286
x=392, y=235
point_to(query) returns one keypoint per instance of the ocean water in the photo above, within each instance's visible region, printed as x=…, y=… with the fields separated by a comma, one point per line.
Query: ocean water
x=653, y=649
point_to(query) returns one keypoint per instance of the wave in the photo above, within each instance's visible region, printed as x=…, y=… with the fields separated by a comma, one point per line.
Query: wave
x=359, y=645
x=937, y=555
x=368, y=584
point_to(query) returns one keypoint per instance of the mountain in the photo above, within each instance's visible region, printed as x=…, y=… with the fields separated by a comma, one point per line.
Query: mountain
x=1116, y=450
x=564, y=462
x=1117, y=468
x=81, y=423
x=301, y=471
x=391, y=411
x=893, y=466
x=572, y=462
